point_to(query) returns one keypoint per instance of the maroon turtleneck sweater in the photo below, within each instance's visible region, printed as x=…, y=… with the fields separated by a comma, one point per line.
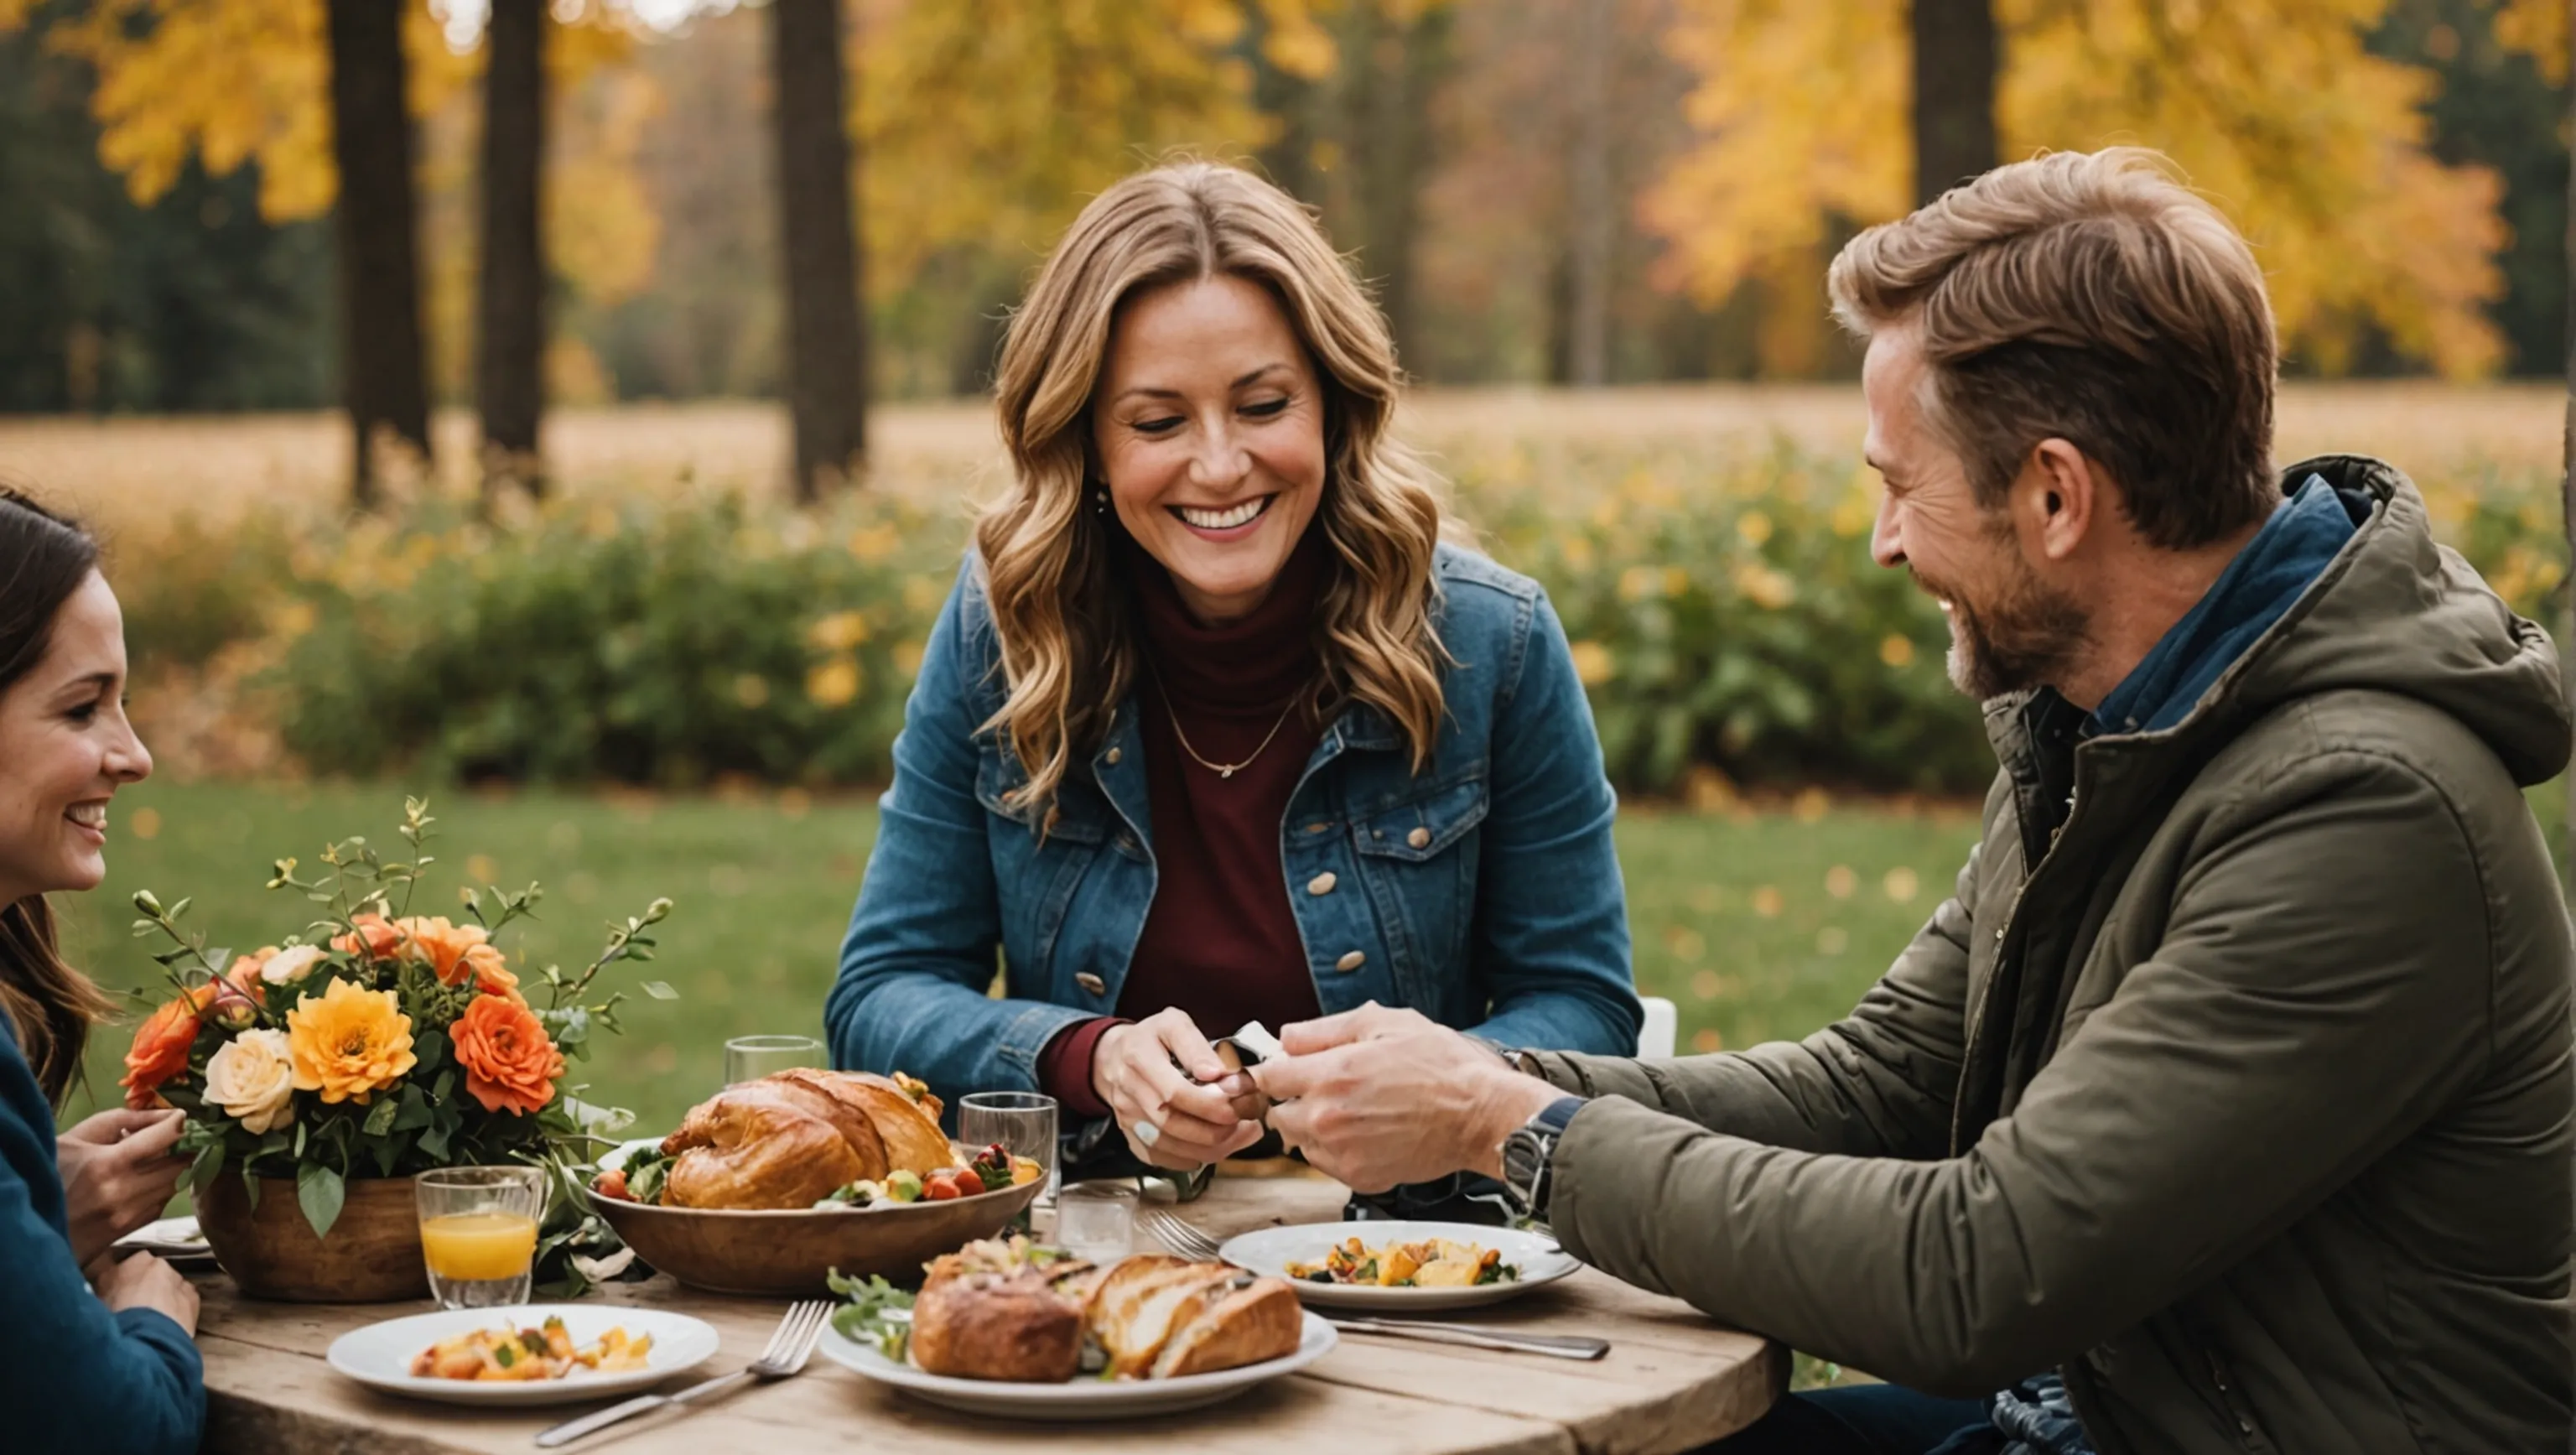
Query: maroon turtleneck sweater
x=1220, y=941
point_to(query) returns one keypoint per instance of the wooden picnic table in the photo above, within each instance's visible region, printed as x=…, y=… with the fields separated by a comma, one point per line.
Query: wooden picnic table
x=1673, y=1380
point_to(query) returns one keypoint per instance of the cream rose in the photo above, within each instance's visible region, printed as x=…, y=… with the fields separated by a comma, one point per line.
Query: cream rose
x=289, y=966
x=252, y=1078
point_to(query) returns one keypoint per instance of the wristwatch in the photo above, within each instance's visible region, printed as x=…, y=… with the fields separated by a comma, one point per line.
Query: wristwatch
x=1529, y=1156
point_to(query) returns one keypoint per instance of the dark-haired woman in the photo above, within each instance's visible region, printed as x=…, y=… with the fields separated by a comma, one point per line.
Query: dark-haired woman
x=95, y=1354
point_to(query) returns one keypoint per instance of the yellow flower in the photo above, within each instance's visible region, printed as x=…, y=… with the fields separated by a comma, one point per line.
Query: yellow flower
x=1753, y=528
x=834, y=683
x=838, y=632
x=1896, y=650
x=1593, y=663
x=349, y=1043
x=870, y=544
x=1764, y=587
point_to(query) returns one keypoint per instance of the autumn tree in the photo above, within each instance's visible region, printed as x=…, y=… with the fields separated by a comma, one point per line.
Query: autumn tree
x=2276, y=108
x=827, y=376
x=383, y=363
x=986, y=128
x=1347, y=94
x=510, y=319
x=1954, y=93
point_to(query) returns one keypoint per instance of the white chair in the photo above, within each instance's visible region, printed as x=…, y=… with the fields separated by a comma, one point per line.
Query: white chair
x=1663, y=1022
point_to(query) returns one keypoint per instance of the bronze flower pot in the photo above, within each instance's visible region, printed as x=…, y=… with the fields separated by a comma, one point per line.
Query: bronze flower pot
x=372, y=1255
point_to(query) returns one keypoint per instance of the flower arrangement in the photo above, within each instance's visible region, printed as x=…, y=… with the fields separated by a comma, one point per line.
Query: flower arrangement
x=375, y=1042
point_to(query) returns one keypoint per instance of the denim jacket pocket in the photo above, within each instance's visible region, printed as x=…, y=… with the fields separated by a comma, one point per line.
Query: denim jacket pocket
x=1418, y=857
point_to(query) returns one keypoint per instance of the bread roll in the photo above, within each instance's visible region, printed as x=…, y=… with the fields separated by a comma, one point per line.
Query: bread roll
x=982, y=1315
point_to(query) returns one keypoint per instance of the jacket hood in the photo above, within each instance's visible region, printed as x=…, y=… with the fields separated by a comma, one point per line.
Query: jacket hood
x=2398, y=612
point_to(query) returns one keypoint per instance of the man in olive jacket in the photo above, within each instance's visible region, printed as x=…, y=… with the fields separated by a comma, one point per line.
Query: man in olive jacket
x=2228, y=1100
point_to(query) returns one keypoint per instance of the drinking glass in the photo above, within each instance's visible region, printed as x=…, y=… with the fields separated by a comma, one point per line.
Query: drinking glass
x=749, y=1058
x=1096, y=1221
x=478, y=1232
x=1022, y=1121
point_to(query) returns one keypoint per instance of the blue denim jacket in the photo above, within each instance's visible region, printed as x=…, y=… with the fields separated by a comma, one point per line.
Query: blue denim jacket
x=1483, y=892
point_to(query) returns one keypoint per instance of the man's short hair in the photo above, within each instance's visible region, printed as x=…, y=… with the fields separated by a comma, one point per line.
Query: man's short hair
x=2092, y=297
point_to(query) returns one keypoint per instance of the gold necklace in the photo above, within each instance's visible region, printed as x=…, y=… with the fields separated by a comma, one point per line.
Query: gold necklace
x=1222, y=770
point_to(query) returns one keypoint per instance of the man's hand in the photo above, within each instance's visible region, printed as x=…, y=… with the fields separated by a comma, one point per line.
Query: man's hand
x=118, y=1174
x=1171, y=1119
x=1376, y=1097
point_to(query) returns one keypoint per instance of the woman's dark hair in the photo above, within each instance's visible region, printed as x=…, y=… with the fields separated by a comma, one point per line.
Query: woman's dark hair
x=44, y=558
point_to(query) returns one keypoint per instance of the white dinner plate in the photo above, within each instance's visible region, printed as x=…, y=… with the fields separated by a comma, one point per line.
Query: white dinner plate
x=379, y=1356
x=1271, y=1250
x=170, y=1237
x=1078, y=1398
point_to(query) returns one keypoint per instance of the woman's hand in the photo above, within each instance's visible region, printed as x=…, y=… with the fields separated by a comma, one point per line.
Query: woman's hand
x=118, y=1174
x=143, y=1281
x=1171, y=1119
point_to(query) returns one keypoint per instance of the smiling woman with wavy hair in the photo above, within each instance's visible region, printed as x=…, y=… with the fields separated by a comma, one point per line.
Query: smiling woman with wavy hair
x=1214, y=727
x=1058, y=604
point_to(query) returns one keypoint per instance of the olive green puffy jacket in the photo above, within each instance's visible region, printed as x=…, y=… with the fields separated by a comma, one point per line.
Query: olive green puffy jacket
x=2245, y=1102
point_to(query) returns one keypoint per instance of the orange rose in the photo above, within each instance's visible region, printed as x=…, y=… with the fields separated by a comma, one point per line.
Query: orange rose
x=458, y=953
x=375, y=933
x=510, y=1064
x=244, y=973
x=161, y=1043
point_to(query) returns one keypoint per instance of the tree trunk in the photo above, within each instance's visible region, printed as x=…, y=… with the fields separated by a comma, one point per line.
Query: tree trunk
x=1955, y=54
x=1405, y=64
x=509, y=367
x=2567, y=464
x=826, y=346
x=371, y=143
x=1288, y=157
x=1592, y=218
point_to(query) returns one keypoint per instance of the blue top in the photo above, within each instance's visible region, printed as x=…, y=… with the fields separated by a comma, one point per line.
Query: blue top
x=1483, y=891
x=2258, y=587
x=74, y=1378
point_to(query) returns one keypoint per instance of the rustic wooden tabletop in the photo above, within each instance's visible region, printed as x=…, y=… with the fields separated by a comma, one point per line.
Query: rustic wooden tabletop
x=1672, y=1381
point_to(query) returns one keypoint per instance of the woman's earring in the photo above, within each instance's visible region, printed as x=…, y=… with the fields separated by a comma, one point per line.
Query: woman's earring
x=1100, y=500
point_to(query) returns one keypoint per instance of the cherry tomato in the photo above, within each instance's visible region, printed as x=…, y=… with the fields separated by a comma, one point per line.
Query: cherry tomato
x=938, y=1187
x=968, y=1184
x=613, y=1184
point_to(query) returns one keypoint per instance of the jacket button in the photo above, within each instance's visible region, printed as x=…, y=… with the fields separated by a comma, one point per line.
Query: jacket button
x=1091, y=984
x=1419, y=838
x=1322, y=883
x=1350, y=962
x=1113, y=755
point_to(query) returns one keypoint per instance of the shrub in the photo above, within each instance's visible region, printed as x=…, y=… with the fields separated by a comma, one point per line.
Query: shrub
x=652, y=642
x=1722, y=606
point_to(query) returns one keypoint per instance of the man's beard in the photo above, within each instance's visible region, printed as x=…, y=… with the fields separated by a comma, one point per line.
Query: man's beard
x=2029, y=635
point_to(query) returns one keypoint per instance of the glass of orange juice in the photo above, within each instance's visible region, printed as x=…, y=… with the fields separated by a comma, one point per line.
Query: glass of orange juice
x=478, y=1233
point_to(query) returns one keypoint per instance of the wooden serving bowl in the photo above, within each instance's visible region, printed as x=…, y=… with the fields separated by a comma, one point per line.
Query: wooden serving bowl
x=784, y=1254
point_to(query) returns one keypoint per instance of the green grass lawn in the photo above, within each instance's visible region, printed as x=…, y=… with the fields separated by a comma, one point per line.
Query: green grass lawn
x=1759, y=925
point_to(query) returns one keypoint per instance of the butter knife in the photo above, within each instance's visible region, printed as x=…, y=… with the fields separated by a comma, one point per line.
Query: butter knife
x=1559, y=1346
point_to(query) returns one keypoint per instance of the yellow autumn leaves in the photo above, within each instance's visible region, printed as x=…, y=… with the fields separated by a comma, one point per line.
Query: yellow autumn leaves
x=2277, y=109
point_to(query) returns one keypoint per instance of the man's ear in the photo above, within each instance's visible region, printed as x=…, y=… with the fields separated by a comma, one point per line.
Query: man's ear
x=2059, y=498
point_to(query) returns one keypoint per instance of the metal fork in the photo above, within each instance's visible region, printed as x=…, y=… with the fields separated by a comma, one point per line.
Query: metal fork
x=1189, y=1242
x=788, y=1350
x=1181, y=1238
